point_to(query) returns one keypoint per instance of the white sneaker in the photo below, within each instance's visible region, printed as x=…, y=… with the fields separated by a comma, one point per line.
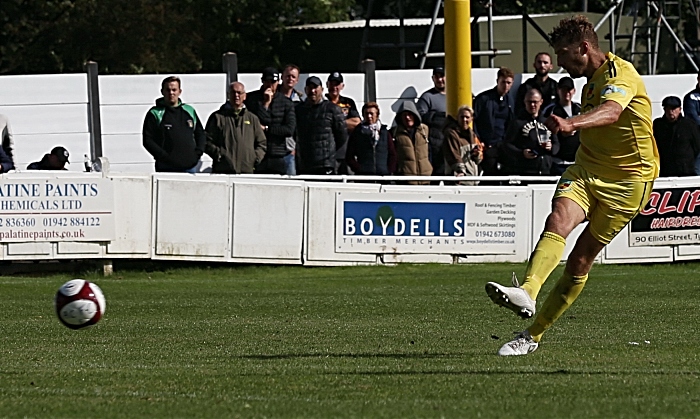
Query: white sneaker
x=513, y=298
x=521, y=345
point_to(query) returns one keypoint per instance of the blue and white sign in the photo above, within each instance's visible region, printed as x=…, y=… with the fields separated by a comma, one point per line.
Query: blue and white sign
x=421, y=223
x=404, y=219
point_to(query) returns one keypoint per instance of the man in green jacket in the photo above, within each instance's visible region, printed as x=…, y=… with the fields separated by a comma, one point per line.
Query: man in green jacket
x=235, y=139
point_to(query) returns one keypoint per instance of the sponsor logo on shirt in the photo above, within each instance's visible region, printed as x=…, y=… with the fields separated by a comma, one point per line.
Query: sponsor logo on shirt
x=609, y=89
x=564, y=185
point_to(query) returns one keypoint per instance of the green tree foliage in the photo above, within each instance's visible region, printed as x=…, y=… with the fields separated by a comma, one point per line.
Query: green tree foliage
x=161, y=36
x=44, y=36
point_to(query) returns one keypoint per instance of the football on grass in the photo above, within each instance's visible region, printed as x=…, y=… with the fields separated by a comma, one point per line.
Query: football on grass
x=79, y=304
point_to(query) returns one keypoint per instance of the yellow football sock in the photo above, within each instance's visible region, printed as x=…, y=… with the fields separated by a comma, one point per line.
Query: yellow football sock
x=543, y=260
x=558, y=301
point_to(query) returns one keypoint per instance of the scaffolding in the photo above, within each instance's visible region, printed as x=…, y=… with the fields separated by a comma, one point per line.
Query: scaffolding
x=424, y=54
x=649, y=20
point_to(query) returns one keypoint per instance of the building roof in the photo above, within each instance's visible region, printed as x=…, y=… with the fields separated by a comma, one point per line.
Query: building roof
x=390, y=23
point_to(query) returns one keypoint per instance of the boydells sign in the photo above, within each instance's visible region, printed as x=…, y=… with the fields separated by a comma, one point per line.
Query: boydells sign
x=672, y=216
x=425, y=223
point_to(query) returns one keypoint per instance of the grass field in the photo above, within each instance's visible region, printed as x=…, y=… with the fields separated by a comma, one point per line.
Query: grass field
x=405, y=341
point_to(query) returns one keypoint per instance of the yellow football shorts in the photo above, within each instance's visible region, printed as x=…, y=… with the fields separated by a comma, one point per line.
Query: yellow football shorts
x=609, y=205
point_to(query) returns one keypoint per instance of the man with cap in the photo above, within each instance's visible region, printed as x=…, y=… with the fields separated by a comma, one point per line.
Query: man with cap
x=56, y=160
x=336, y=85
x=541, y=81
x=432, y=107
x=321, y=131
x=565, y=107
x=678, y=140
x=278, y=122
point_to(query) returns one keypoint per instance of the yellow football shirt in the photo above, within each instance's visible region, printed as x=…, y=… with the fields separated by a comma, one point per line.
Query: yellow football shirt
x=626, y=149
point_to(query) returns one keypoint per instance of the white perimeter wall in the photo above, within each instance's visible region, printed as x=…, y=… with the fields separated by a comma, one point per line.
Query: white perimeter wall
x=284, y=221
x=50, y=110
x=243, y=219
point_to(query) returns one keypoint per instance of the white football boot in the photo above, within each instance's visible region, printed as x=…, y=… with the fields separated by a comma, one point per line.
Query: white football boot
x=521, y=345
x=513, y=298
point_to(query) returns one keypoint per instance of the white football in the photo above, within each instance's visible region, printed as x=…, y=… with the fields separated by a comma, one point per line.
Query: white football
x=79, y=304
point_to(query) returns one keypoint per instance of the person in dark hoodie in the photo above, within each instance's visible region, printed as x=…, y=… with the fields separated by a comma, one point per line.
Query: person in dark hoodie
x=172, y=131
x=411, y=142
x=321, y=131
x=235, y=138
x=529, y=145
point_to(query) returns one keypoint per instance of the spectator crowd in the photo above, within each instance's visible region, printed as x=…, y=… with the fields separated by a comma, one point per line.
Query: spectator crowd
x=278, y=129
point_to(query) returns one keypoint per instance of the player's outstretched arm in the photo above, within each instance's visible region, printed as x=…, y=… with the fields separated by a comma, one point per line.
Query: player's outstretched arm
x=605, y=114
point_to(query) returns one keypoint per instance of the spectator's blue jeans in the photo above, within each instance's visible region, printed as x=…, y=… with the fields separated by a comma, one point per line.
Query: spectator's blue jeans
x=164, y=168
x=290, y=164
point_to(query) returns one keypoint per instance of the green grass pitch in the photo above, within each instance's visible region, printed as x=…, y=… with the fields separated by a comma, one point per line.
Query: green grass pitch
x=404, y=341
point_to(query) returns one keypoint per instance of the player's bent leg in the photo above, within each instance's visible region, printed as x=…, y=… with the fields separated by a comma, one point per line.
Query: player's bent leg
x=569, y=285
x=565, y=216
x=543, y=260
x=558, y=301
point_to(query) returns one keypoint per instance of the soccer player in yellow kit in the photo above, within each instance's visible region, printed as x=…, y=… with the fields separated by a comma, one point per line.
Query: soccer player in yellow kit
x=610, y=183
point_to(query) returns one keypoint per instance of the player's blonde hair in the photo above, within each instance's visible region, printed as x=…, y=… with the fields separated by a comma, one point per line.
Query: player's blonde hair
x=574, y=30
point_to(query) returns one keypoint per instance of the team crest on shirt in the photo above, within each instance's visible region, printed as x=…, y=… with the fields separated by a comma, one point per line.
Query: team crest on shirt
x=612, y=89
x=190, y=123
x=589, y=91
x=564, y=185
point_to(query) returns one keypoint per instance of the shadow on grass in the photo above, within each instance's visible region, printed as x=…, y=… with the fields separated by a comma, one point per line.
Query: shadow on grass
x=515, y=372
x=353, y=356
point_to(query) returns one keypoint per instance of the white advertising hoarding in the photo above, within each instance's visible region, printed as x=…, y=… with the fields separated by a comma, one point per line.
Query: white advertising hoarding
x=52, y=210
x=424, y=223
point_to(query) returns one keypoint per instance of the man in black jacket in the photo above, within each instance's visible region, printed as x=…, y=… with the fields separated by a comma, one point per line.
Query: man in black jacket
x=172, y=131
x=565, y=107
x=321, y=131
x=493, y=111
x=276, y=114
x=678, y=140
